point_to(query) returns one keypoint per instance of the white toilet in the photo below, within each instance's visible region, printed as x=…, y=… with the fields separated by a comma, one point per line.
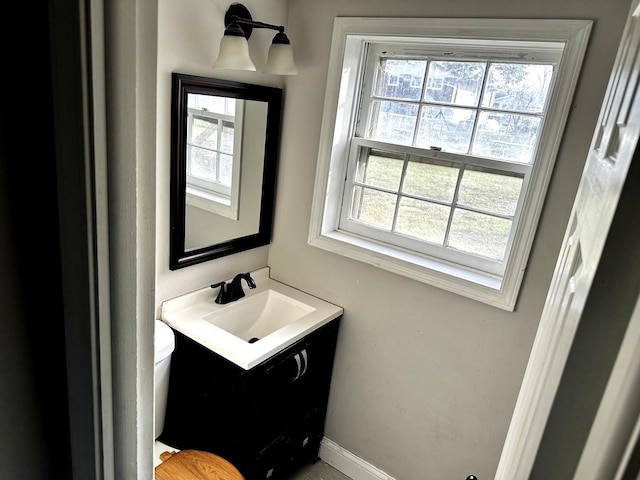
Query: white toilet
x=164, y=344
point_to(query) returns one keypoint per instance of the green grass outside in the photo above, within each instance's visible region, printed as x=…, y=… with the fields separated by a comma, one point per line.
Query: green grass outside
x=473, y=232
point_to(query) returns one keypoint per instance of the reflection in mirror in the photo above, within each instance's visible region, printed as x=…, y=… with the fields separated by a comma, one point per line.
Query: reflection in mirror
x=214, y=136
x=221, y=149
x=224, y=149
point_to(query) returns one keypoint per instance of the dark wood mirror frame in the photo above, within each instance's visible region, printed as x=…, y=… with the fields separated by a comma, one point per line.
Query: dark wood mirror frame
x=182, y=85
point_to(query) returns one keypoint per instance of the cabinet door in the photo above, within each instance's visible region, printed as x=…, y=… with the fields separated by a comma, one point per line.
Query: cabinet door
x=297, y=380
x=271, y=462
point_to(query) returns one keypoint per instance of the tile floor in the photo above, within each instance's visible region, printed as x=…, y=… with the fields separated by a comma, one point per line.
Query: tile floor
x=317, y=471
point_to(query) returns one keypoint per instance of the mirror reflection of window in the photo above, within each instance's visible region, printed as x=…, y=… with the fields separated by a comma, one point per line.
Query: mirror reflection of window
x=214, y=139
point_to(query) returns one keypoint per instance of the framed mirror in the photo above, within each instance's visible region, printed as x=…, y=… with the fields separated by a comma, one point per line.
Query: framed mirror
x=224, y=147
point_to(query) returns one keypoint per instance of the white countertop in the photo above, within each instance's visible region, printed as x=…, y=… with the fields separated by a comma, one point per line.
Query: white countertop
x=186, y=315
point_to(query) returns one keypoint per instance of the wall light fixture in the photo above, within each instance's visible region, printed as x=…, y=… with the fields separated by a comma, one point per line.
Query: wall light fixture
x=234, y=48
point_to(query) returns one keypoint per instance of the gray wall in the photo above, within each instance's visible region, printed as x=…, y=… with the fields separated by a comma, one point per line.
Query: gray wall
x=425, y=381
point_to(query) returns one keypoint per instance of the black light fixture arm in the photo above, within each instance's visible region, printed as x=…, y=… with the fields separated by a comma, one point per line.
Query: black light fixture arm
x=239, y=22
x=253, y=23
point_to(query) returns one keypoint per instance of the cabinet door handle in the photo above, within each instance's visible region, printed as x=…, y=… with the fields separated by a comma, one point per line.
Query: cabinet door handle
x=305, y=361
x=302, y=360
x=298, y=360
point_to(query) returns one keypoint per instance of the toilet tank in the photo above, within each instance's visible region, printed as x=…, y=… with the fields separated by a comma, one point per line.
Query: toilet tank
x=164, y=343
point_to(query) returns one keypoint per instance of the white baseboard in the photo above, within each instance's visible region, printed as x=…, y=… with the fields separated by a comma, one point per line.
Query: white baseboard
x=348, y=463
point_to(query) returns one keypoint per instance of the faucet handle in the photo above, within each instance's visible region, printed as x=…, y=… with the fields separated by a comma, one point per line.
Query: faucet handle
x=223, y=294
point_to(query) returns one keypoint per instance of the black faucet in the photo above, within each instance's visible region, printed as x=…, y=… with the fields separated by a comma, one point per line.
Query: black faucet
x=232, y=291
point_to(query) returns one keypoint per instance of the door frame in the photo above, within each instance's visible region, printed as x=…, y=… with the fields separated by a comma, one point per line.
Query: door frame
x=104, y=76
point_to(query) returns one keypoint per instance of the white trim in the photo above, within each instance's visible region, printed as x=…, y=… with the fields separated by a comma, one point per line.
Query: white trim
x=131, y=130
x=211, y=202
x=345, y=65
x=433, y=272
x=102, y=230
x=346, y=462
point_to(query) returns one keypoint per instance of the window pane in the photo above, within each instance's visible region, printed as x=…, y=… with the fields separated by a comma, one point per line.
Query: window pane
x=212, y=103
x=518, y=87
x=400, y=79
x=379, y=169
x=227, y=137
x=446, y=127
x=202, y=163
x=392, y=122
x=204, y=133
x=430, y=180
x=226, y=166
x=458, y=83
x=506, y=136
x=490, y=192
x=424, y=220
x=479, y=234
x=373, y=207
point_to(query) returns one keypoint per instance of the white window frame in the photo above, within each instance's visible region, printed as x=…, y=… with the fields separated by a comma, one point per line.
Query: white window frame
x=347, y=59
x=210, y=196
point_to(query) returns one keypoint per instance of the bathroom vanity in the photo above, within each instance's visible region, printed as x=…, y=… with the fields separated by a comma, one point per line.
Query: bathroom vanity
x=268, y=420
x=259, y=402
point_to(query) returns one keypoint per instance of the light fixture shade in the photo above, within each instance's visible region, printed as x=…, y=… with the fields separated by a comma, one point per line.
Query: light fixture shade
x=280, y=60
x=234, y=54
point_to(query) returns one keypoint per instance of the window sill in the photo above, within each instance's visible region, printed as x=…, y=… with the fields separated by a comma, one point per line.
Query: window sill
x=480, y=286
x=211, y=202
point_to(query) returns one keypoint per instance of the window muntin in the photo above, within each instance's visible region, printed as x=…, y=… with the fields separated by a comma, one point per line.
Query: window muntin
x=490, y=109
x=461, y=209
x=457, y=210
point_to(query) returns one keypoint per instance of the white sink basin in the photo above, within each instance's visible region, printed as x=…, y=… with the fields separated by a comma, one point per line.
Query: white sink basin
x=250, y=330
x=259, y=315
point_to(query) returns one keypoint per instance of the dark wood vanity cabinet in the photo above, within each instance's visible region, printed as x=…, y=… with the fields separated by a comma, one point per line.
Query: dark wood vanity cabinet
x=268, y=420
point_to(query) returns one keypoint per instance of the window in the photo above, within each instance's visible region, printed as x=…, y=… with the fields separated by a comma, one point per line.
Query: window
x=213, y=145
x=437, y=149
